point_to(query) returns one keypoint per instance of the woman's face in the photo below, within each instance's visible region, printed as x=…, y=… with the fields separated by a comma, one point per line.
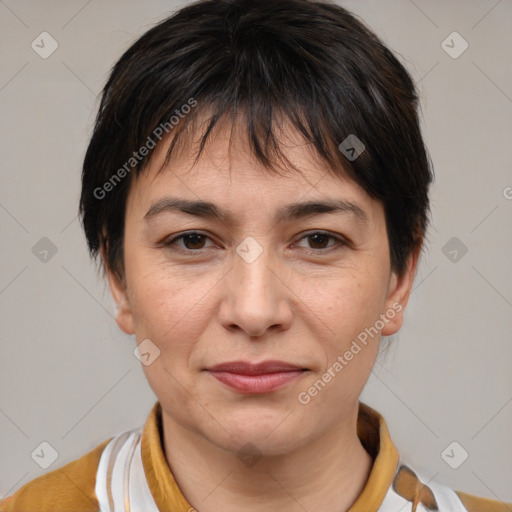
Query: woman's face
x=276, y=292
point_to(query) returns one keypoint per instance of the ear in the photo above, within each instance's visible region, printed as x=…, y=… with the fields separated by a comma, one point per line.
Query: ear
x=118, y=289
x=399, y=291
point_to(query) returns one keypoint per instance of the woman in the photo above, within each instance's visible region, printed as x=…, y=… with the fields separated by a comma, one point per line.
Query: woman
x=257, y=189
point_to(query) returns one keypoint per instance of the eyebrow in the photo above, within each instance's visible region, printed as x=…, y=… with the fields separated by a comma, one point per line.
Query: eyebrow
x=287, y=213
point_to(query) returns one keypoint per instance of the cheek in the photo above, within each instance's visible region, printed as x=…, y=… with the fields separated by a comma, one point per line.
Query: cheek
x=169, y=308
x=351, y=308
x=172, y=314
x=348, y=303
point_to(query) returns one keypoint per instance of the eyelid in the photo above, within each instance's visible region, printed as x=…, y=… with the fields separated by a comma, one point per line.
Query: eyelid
x=340, y=240
x=171, y=240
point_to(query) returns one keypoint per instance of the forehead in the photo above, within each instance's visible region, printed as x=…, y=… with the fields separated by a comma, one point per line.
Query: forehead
x=228, y=174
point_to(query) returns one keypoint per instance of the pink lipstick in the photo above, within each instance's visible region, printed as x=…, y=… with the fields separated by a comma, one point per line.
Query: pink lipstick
x=257, y=378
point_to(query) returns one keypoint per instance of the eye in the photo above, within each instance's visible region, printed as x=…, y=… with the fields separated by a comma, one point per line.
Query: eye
x=194, y=241
x=318, y=240
x=191, y=241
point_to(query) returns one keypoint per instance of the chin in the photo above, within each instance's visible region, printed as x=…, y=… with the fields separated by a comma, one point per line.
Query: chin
x=266, y=431
x=257, y=443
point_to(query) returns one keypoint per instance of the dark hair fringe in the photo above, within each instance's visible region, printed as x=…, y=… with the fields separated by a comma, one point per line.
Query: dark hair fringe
x=259, y=64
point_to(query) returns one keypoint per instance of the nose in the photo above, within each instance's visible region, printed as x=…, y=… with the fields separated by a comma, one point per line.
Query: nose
x=257, y=298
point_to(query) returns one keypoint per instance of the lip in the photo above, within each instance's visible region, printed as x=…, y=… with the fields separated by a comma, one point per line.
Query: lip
x=251, y=378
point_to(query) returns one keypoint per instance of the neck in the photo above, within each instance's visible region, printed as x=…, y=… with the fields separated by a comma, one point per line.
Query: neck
x=327, y=474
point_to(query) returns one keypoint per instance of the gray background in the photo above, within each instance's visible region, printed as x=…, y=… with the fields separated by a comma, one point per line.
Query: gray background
x=68, y=375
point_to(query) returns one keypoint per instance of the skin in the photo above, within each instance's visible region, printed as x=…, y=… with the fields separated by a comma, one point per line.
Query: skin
x=303, y=301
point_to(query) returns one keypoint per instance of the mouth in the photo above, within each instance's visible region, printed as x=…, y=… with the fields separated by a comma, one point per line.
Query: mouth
x=249, y=378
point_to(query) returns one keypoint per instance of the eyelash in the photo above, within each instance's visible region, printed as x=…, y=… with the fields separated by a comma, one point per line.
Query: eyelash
x=340, y=241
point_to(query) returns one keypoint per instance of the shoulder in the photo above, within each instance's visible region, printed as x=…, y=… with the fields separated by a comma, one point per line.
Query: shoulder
x=70, y=487
x=412, y=489
x=476, y=504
